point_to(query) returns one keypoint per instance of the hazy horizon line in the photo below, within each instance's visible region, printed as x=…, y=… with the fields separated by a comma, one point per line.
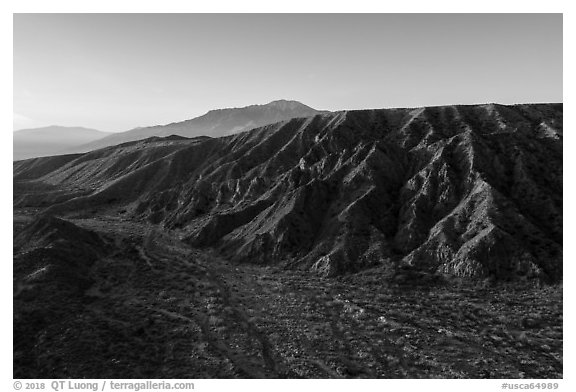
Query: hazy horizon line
x=292, y=100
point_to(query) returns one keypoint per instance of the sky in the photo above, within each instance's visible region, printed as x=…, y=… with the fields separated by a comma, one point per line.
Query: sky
x=115, y=72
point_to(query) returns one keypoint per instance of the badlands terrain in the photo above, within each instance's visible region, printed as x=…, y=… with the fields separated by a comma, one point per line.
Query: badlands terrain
x=390, y=243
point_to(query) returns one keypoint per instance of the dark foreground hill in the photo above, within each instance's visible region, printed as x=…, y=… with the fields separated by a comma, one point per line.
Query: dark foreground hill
x=472, y=191
x=108, y=297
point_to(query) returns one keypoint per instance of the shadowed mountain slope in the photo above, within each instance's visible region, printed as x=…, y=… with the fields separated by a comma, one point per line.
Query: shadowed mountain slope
x=215, y=123
x=474, y=191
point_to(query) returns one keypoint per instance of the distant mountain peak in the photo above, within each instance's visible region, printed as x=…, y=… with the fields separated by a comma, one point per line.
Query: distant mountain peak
x=284, y=104
x=215, y=123
x=280, y=104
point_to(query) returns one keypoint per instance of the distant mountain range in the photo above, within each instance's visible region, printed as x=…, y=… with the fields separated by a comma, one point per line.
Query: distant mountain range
x=59, y=140
x=53, y=140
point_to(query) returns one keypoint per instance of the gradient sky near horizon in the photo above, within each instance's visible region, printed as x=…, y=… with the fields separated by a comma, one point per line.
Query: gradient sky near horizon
x=114, y=72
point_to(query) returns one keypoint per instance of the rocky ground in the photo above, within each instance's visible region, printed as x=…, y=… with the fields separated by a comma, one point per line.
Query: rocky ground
x=152, y=307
